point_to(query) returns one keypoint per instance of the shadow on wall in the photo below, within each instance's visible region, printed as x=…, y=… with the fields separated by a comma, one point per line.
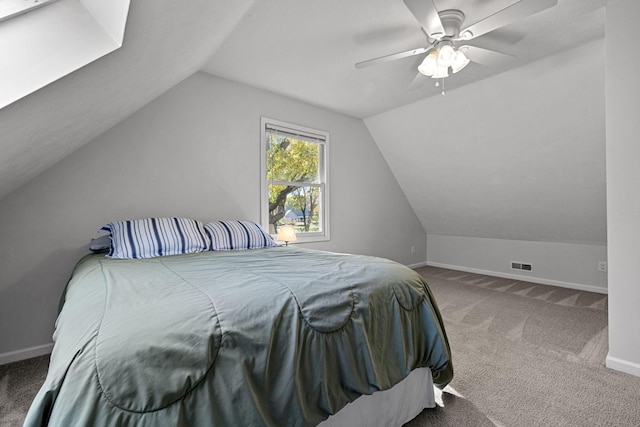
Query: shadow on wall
x=29, y=307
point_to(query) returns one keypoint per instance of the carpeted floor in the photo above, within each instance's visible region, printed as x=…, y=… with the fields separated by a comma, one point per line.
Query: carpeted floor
x=524, y=355
x=19, y=383
x=527, y=355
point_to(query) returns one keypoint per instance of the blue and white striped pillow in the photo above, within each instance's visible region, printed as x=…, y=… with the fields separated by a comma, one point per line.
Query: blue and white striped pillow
x=153, y=237
x=237, y=235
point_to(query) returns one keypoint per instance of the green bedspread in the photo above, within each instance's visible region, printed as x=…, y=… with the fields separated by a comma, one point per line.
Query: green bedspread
x=276, y=336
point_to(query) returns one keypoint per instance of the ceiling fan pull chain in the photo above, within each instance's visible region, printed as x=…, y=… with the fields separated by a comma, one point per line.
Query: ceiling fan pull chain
x=438, y=85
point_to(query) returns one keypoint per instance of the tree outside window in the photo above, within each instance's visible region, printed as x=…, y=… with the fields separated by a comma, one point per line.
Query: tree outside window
x=294, y=180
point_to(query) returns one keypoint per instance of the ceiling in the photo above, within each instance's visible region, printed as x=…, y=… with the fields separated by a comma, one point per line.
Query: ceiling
x=165, y=42
x=300, y=48
x=307, y=49
x=517, y=156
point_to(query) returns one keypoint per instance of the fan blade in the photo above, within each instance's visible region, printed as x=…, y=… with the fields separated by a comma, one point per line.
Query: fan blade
x=510, y=14
x=392, y=57
x=427, y=15
x=485, y=56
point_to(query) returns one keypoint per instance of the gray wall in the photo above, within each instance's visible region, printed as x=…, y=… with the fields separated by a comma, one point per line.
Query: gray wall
x=518, y=157
x=569, y=265
x=194, y=151
x=623, y=178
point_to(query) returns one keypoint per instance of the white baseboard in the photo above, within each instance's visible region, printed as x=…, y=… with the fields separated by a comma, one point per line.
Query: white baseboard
x=623, y=365
x=570, y=285
x=418, y=265
x=27, y=353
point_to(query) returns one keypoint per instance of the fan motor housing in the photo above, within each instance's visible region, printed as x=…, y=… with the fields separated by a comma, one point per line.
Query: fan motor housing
x=452, y=20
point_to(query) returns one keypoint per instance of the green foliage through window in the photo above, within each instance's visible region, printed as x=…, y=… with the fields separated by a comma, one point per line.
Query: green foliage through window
x=295, y=181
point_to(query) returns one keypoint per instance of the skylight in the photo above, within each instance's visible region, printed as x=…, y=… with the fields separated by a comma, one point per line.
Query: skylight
x=47, y=43
x=11, y=8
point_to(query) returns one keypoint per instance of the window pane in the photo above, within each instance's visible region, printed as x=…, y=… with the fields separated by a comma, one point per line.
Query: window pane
x=11, y=8
x=294, y=179
x=298, y=206
x=292, y=160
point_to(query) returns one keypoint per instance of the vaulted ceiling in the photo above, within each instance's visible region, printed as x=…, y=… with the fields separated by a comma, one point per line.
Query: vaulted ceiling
x=307, y=51
x=165, y=42
x=518, y=156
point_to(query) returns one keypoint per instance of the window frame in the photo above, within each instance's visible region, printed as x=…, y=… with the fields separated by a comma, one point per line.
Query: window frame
x=311, y=135
x=17, y=7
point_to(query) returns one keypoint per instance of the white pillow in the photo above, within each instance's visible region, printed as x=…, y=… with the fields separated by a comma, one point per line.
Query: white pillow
x=152, y=237
x=237, y=235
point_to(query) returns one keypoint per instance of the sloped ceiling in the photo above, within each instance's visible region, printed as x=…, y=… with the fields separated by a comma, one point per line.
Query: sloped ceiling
x=165, y=42
x=515, y=152
x=518, y=156
x=307, y=49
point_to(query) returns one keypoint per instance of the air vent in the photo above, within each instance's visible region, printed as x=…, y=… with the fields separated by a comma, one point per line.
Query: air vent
x=521, y=266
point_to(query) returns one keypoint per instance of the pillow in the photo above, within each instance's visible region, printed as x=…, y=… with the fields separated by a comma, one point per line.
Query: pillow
x=237, y=235
x=152, y=237
x=100, y=244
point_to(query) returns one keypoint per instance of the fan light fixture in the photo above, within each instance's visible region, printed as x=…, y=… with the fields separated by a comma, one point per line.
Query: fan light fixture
x=436, y=64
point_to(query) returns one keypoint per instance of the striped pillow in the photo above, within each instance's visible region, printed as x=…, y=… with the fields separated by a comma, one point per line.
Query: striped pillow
x=237, y=235
x=153, y=237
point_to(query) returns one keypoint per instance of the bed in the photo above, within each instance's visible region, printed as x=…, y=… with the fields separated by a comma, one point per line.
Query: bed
x=276, y=336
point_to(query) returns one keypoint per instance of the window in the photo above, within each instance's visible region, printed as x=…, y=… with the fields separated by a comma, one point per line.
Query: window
x=44, y=40
x=294, y=180
x=12, y=8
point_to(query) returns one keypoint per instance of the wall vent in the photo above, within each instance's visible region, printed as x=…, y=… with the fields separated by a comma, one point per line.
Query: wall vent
x=524, y=266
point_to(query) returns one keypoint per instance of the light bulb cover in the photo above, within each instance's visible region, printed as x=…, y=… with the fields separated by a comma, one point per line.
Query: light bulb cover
x=440, y=73
x=459, y=62
x=429, y=64
x=446, y=55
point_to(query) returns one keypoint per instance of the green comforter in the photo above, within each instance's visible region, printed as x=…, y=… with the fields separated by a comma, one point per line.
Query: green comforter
x=275, y=336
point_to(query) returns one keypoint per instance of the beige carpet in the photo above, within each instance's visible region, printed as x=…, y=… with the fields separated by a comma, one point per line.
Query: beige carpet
x=528, y=355
x=19, y=383
x=524, y=355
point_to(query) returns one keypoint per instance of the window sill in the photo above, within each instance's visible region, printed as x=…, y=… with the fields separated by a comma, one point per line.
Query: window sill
x=307, y=239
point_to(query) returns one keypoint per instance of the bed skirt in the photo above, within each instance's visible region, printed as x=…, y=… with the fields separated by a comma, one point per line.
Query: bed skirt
x=393, y=407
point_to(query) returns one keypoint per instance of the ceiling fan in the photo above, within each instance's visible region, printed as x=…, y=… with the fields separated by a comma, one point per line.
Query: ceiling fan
x=446, y=36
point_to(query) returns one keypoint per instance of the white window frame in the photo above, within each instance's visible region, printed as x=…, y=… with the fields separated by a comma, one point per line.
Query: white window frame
x=314, y=135
x=12, y=8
